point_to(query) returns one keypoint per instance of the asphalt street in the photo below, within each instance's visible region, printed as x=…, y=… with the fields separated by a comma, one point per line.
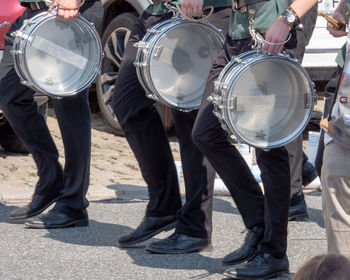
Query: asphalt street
x=90, y=252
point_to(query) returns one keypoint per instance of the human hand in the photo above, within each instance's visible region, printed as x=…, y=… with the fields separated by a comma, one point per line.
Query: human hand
x=192, y=8
x=334, y=31
x=68, y=9
x=276, y=34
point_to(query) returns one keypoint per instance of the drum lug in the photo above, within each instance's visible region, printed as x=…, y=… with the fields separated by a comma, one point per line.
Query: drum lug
x=315, y=97
x=218, y=115
x=157, y=51
x=153, y=31
x=142, y=45
x=27, y=83
x=140, y=64
x=238, y=60
x=26, y=37
x=15, y=52
x=215, y=99
x=152, y=96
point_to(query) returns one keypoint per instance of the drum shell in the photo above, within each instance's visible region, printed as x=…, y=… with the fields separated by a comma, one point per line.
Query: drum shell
x=147, y=49
x=25, y=35
x=223, y=99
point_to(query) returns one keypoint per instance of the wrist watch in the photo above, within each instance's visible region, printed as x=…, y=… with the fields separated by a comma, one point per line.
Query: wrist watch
x=290, y=17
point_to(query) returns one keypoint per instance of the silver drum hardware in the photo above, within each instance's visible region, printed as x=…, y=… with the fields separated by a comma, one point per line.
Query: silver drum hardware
x=173, y=61
x=56, y=56
x=263, y=100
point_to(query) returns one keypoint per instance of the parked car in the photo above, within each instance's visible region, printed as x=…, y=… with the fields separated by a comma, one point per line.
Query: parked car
x=119, y=17
x=9, y=11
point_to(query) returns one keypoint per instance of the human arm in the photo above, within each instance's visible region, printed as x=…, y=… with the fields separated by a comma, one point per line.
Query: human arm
x=279, y=30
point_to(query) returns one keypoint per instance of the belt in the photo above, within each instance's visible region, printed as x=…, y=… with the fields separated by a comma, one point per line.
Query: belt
x=36, y=5
x=241, y=5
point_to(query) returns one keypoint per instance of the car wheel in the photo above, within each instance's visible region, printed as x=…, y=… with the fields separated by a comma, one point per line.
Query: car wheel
x=114, y=40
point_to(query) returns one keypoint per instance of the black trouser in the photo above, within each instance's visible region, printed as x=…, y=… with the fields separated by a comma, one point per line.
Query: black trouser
x=146, y=136
x=270, y=209
x=295, y=148
x=73, y=116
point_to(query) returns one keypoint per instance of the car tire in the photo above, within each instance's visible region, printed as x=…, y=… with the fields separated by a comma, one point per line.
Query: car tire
x=9, y=141
x=114, y=40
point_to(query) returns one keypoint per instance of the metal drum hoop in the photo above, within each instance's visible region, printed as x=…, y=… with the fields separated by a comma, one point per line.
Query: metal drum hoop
x=24, y=37
x=147, y=48
x=231, y=74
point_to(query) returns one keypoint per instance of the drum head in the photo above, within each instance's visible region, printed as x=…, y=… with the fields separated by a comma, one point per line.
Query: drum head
x=272, y=102
x=181, y=61
x=63, y=56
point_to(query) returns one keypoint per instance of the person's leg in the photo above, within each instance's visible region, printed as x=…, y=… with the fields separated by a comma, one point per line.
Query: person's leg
x=336, y=198
x=298, y=208
x=270, y=260
x=147, y=138
x=194, y=219
x=73, y=116
x=17, y=102
x=214, y=143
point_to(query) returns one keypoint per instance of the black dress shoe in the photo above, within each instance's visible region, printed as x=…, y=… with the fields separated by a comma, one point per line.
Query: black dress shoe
x=38, y=204
x=178, y=243
x=149, y=227
x=298, y=209
x=262, y=266
x=308, y=173
x=55, y=219
x=248, y=248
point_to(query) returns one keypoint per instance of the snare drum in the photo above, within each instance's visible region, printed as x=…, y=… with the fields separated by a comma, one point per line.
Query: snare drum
x=174, y=59
x=265, y=101
x=56, y=56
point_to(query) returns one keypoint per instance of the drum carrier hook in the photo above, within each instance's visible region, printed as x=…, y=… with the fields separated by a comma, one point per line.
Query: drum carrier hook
x=256, y=36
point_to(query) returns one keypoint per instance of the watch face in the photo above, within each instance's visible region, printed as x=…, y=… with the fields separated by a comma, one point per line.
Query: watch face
x=291, y=18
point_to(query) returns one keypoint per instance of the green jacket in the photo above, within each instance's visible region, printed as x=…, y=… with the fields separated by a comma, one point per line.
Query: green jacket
x=340, y=59
x=160, y=9
x=265, y=17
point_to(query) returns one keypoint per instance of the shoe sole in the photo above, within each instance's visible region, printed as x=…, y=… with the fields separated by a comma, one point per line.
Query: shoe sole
x=202, y=248
x=35, y=213
x=77, y=223
x=299, y=218
x=272, y=275
x=135, y=243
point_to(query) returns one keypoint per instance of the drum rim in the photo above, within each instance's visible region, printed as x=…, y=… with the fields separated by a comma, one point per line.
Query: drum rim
x=152, y=36
x=229, y=77
x=29, y=27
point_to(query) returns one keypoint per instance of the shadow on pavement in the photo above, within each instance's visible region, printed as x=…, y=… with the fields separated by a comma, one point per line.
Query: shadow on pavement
x=192, y=261
x=223, y=206
x=5, y=212
x=129, y=193
x=96, y=234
